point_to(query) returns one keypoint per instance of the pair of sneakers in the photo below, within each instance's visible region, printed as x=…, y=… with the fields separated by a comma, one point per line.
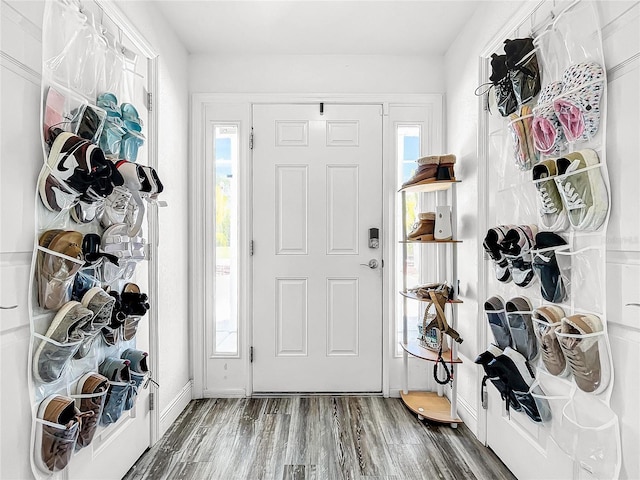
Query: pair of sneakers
x=125, y=205
x=512, y=376
x=433, y=168
x=571, y=191
x=509, y=247
x=125, y=375
x=71, y=334
x=573, y=344
x=76, y=177
x=511, y=324
x=69, y=423
x=515, y=75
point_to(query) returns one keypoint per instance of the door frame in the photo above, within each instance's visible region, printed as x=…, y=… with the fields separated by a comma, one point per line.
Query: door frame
x=201, y=103
x=151, y=54
x=525, y=14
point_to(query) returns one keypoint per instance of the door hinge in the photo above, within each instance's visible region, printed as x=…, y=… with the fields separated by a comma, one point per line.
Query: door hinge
x=251, y=248
x=250, y=354
x=152, y=401
x=251, y=139
x=149, y=101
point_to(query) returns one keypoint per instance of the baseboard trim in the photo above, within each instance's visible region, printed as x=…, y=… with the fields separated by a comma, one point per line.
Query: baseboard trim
x=175, y=407
x=227, y=393
x=468, y=414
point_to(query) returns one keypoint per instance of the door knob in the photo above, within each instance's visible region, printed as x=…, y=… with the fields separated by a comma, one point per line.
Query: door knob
x=373, y=263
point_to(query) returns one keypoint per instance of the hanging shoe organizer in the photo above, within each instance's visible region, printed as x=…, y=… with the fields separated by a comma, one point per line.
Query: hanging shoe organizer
x=85, y=307
x=555, y=185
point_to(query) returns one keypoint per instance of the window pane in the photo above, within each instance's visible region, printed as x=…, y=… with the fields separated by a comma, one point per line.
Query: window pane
x=226, y=161
x=409, y=146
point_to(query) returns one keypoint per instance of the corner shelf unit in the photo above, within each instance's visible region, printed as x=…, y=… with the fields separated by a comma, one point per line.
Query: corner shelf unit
x=434, y=406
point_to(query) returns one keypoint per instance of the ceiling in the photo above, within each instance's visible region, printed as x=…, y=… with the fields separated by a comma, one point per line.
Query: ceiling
x=317, y=27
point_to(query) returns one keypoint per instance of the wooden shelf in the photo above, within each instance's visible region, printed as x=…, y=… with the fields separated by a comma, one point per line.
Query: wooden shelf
x=430, y=186
x=430, y=406
x=413, y=296
x=430, y=241
x=413, y=348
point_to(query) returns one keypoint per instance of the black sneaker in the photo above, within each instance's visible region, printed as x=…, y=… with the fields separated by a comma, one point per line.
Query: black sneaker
x=524, y=71
x=546, y=267
x=500, y=79
x=492, y=372
x=516, y=372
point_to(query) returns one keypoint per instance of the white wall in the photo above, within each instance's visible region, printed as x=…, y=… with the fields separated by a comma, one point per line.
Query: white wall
x=620, y=22
x=315, y=74
x=172, y=104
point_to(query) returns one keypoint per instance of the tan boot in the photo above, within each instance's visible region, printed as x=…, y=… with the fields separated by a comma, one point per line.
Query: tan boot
x=423, y=228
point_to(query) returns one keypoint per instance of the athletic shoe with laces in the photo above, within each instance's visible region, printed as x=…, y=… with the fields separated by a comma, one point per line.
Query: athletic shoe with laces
x=496, y=315
x=66, y=330
x=75, y=169
x=521, y=327
x=582, y=351
x=101, y=304
x=491, y=245
x=551, y=210
x=546, y=268
x=116, y=207
x=117, y=372
x=516, y=246
x=546, y=319
x=55, y=440
x=91, y=393
x=583, y=189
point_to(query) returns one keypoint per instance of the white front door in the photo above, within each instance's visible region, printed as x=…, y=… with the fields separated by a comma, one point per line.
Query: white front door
x=317, y=190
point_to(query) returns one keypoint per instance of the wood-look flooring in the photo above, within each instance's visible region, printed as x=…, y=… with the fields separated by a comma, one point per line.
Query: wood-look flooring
x=304, y=438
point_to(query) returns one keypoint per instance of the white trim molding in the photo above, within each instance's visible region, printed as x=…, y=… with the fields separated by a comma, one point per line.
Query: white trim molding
x=175, y=407
x=201, y=104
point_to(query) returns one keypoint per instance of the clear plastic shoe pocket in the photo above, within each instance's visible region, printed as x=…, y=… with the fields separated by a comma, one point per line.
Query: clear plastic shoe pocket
x=82, y=400
x=52, y=358
x=541, y=327
x=519, y=129
x=498, y=322
x=130, y=327
x=583, y=276
x=550, y=408
x=115, y=403
x=569, y=342
x=522, y=334
x=55, y=445
x=596, y=433
x=543, y=263
x=56, y=273
x=574, y=190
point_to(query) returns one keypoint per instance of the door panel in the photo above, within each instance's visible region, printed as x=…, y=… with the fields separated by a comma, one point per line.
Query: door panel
x=317, y=322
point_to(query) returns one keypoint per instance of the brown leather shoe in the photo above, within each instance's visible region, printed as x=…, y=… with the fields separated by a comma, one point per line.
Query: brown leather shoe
x=423, y=228
x=92, y=387
x=58, y=438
